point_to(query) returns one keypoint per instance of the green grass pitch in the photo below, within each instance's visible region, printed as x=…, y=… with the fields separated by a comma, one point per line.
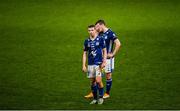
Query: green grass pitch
x=41, y=44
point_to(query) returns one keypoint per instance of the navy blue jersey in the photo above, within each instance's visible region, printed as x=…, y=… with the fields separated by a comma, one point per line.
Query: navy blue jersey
x=109, y=37
x=94, y=49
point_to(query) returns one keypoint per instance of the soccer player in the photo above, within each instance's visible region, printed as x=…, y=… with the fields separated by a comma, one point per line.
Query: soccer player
x=111, y=40
x=95, y=49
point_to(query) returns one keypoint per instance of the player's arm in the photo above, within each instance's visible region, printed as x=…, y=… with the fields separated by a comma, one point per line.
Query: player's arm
x=117, y=46
x=84, y=69
x=84, y=57
x=104, y=58
x=117, y=43
x=104, y=51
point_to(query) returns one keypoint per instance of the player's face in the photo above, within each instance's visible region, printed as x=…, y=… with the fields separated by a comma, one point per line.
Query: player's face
x=98, y=27
x=91, y=31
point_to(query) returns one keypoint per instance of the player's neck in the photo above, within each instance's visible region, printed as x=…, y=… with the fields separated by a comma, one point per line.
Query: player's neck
x=105, y=29
x=93, y=37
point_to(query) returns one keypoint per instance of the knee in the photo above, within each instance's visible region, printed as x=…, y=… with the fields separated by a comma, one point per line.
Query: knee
x=98, y=80
x=100, y=84
x=108, y=76
x=93, y=82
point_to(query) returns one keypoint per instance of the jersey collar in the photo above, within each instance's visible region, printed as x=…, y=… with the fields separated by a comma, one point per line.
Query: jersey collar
x=93, y=39
x=107, y=31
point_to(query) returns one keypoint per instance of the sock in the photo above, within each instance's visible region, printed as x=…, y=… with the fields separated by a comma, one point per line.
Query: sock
x=94, y=91
x=101, y=91
x=97, y=86
x=108, y=85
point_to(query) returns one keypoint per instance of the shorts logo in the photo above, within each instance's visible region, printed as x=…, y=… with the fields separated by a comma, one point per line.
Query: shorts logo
x=99, y=73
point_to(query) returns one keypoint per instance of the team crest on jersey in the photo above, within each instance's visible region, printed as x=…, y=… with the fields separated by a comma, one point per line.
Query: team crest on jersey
x=105, y=37
x=88, y=44
x=97, y=43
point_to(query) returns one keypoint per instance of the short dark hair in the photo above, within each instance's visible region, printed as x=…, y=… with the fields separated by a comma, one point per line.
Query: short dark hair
x=100, y=22
x=91, y=26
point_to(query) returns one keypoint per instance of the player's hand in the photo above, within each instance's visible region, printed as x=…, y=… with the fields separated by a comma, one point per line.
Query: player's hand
x=84, y=69
x=103, y=64
x=110, y=55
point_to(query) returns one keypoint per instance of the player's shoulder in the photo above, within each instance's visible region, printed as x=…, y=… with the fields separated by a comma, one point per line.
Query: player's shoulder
x=110, y=31
x=99, y=37
x=86, y=40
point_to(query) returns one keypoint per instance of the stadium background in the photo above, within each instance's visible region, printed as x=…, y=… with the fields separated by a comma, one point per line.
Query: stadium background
x=41, y=44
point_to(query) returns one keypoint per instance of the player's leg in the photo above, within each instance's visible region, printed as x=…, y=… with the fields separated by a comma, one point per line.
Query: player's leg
x=91, y=76
x=108, y=70
x=94, y=91
x=90, y=94
x=100, y=88
x=108, y=85
x=100, y=84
